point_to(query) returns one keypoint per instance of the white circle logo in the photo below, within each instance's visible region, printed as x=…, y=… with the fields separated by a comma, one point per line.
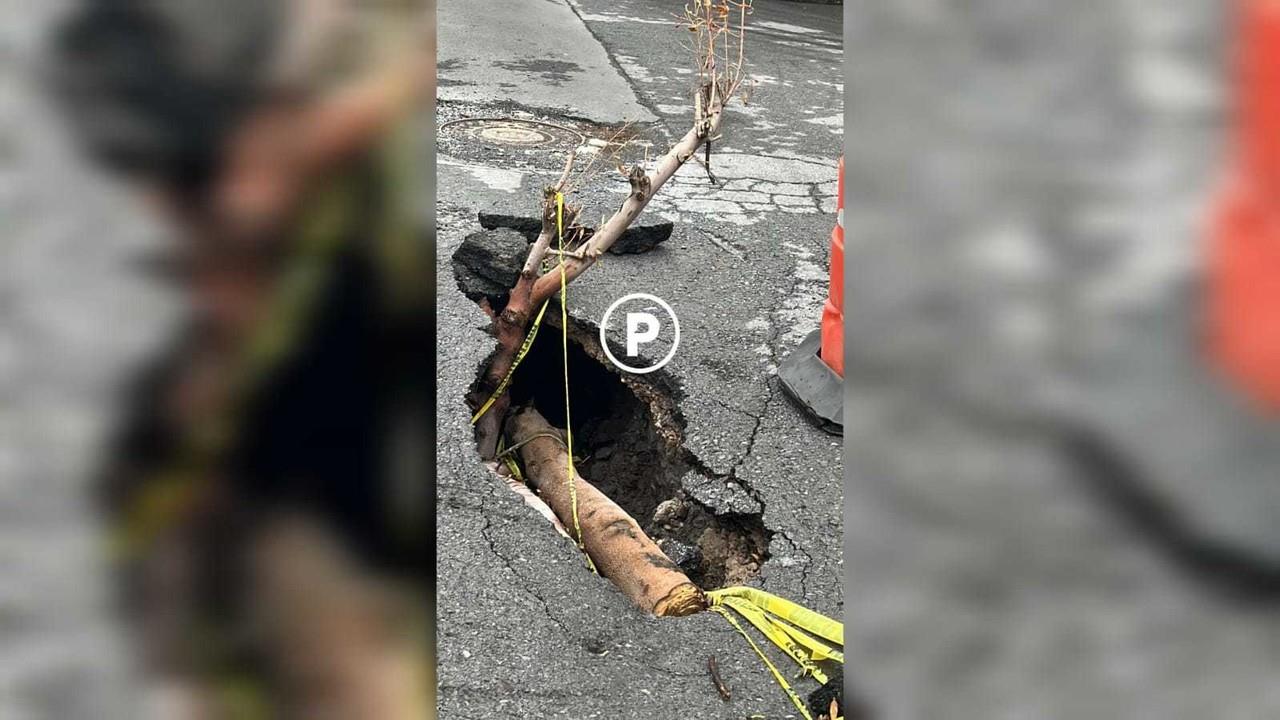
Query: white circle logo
x=642, y=327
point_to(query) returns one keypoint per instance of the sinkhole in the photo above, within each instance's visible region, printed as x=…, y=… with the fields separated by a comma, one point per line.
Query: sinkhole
x=628, y=436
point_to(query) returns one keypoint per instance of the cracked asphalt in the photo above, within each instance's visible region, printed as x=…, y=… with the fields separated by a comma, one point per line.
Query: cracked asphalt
x=524, y=629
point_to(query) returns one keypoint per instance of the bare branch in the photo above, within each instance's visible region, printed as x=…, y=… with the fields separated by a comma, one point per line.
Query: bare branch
x=607, y=234
x=614, y=154
x=568, y=168
x=721, y=78
x=720, y=61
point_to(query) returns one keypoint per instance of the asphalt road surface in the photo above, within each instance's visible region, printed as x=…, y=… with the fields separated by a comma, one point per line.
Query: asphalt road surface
x=524, y=629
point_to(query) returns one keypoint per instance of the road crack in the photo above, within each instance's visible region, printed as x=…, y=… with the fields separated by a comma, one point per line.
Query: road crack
x=523, y=582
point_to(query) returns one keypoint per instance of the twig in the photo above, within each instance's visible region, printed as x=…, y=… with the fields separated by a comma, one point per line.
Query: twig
x=707, y=164
x=568, y=167
x=715, y=679
x=586, y=173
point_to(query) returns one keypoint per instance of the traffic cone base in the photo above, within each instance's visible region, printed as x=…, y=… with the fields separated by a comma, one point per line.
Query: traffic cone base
x=814, y=373
x=814, y=385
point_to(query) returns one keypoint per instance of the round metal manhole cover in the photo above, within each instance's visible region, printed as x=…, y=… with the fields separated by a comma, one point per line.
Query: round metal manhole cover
x=514, y=132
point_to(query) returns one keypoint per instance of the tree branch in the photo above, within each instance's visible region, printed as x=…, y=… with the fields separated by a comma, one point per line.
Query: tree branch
x=709, y=20
x=642, y=193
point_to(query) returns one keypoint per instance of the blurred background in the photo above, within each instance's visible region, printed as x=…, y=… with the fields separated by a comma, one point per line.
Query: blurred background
x=1061, y=429
x=215, y=475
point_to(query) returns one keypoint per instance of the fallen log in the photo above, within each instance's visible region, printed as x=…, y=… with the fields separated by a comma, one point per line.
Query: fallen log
x=621, y=551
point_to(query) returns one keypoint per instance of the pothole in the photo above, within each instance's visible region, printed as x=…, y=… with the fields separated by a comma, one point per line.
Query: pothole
x=628, y=434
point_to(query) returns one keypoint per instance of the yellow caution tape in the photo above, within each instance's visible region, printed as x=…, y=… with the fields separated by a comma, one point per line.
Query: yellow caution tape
x=524, y=350
x=506, y=453
x=509, y=459
x=788, y=626
x=564, y=343
x=777, y=636
x=777, y=676
x=818, y=650
x=799, y=616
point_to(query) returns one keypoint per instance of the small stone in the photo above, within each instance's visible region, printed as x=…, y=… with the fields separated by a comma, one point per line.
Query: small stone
x=595, y=645
x=670, y=512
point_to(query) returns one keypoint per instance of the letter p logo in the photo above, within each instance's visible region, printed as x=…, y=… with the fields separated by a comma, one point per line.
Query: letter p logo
x=642, y=326
x=636, y=336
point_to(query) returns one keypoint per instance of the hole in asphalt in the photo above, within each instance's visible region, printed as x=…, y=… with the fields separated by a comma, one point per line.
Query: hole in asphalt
x=627, y=432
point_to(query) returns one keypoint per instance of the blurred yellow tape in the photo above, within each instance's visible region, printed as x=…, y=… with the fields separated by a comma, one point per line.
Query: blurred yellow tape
x=166, y=494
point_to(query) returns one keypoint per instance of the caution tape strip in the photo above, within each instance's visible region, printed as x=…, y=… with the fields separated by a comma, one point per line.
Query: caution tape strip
x=564, y=345
x=824, y=627
x=778, y=637
x=777, y=676
x=506, y=380
x=506, y=453
x=788, y=626
x=508, y=458
x=818, y=650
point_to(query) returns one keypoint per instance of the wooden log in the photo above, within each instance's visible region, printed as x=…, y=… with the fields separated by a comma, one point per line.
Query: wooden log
x=616, y=544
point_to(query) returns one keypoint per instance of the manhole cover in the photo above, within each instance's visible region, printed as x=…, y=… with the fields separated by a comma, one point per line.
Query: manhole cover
x=514, y=132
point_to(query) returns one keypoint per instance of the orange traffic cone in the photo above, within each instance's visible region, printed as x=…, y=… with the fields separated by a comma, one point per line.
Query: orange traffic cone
x=833, y=310
x=814, y=373
x=1243, y=312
